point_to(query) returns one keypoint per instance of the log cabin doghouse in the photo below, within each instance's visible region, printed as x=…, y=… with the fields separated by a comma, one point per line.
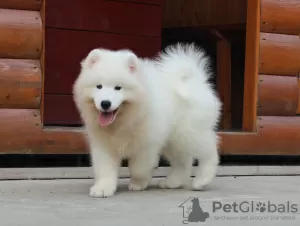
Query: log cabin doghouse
x=254, y=47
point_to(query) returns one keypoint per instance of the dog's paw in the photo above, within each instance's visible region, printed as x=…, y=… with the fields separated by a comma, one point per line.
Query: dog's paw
x=199, y=184
x=138, y=185
x=170, y=183
x=102, y=190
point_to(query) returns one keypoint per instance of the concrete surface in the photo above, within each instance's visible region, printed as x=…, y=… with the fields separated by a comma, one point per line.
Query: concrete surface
x=65, y=202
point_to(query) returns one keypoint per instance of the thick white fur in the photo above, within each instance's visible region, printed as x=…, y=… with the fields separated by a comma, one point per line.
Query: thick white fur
x=167, y=107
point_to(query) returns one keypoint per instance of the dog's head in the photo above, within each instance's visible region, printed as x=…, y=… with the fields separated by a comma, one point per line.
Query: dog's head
x=111, y=80
x=195, y=201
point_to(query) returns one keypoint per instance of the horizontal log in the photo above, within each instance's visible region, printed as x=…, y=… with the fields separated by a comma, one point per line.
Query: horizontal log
x=20, y=83
x=279, y=54
x=277, y=95
x=280, y=16
x=21, y=34
x=276, y=136
x=21, y=133
x=21, y=4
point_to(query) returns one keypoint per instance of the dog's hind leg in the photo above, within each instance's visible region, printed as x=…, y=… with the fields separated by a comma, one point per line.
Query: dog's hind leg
x=208, y=161
x=181, y=165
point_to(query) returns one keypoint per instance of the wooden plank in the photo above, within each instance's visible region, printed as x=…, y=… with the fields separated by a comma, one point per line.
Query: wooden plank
x=224, y=79
x=152, y=2
x=277, y=95
x=298, y=108
x=276, y=136
x=60, y=110
x=210, y=13
x=279, y=16
x=279, y=54
x=21, y=34
x=42, y=59
x=20, y=83
x=62, y=68
x=251, y=65
x=105, y=16
x=21, y=133
x=21, y=4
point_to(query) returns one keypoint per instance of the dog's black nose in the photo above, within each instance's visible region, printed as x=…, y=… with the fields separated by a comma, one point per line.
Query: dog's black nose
x=105, y=104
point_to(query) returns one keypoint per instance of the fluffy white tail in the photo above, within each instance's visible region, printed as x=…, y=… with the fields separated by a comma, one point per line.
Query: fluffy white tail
x=184, y=64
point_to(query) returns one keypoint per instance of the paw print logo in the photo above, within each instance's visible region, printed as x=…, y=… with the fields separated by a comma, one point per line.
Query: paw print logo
x=261, y=207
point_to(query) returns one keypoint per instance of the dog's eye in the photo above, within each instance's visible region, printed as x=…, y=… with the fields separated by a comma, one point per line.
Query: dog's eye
x=99, y=86
x=118, y=88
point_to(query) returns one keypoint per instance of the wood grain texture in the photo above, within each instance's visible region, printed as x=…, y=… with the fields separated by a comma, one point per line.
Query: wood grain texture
x=62, y=66
x=276, y=136
x=298, y=108
x=20, y=83
x=42, y=58
x=280, y=16
x=21, y=34
x=152, y=2
x=60, y=110
x=277, y=95
x=195, y=13
x=105, y=16
x=279, y=54
x=224, y=80
x=251, y=66
x=21, y=4
x=21, y=133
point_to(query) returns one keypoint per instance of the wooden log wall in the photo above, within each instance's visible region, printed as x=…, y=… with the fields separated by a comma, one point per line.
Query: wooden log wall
x=33, y=5
x=22, y=26
x=20, y=68
x=279, y=62
x=278, y=126
x=278, y=101
x=20, y=51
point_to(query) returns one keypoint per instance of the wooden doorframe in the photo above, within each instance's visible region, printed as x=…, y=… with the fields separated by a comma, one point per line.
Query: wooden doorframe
x=251, y=66
x=250, y=98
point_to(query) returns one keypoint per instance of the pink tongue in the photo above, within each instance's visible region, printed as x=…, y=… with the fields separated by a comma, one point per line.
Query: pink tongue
x=106, y=118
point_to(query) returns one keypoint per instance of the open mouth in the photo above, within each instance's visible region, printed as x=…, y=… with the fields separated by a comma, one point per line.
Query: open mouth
x=107, y=117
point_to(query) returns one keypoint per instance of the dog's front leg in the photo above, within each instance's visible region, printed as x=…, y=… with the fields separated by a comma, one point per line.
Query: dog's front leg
x=141, y=168
x=105, y=166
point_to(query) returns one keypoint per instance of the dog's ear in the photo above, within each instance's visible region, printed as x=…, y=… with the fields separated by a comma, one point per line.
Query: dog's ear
x=92, y=58
x=132, y=62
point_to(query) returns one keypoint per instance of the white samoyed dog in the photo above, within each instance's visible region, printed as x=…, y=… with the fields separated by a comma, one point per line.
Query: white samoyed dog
x=140, y=109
